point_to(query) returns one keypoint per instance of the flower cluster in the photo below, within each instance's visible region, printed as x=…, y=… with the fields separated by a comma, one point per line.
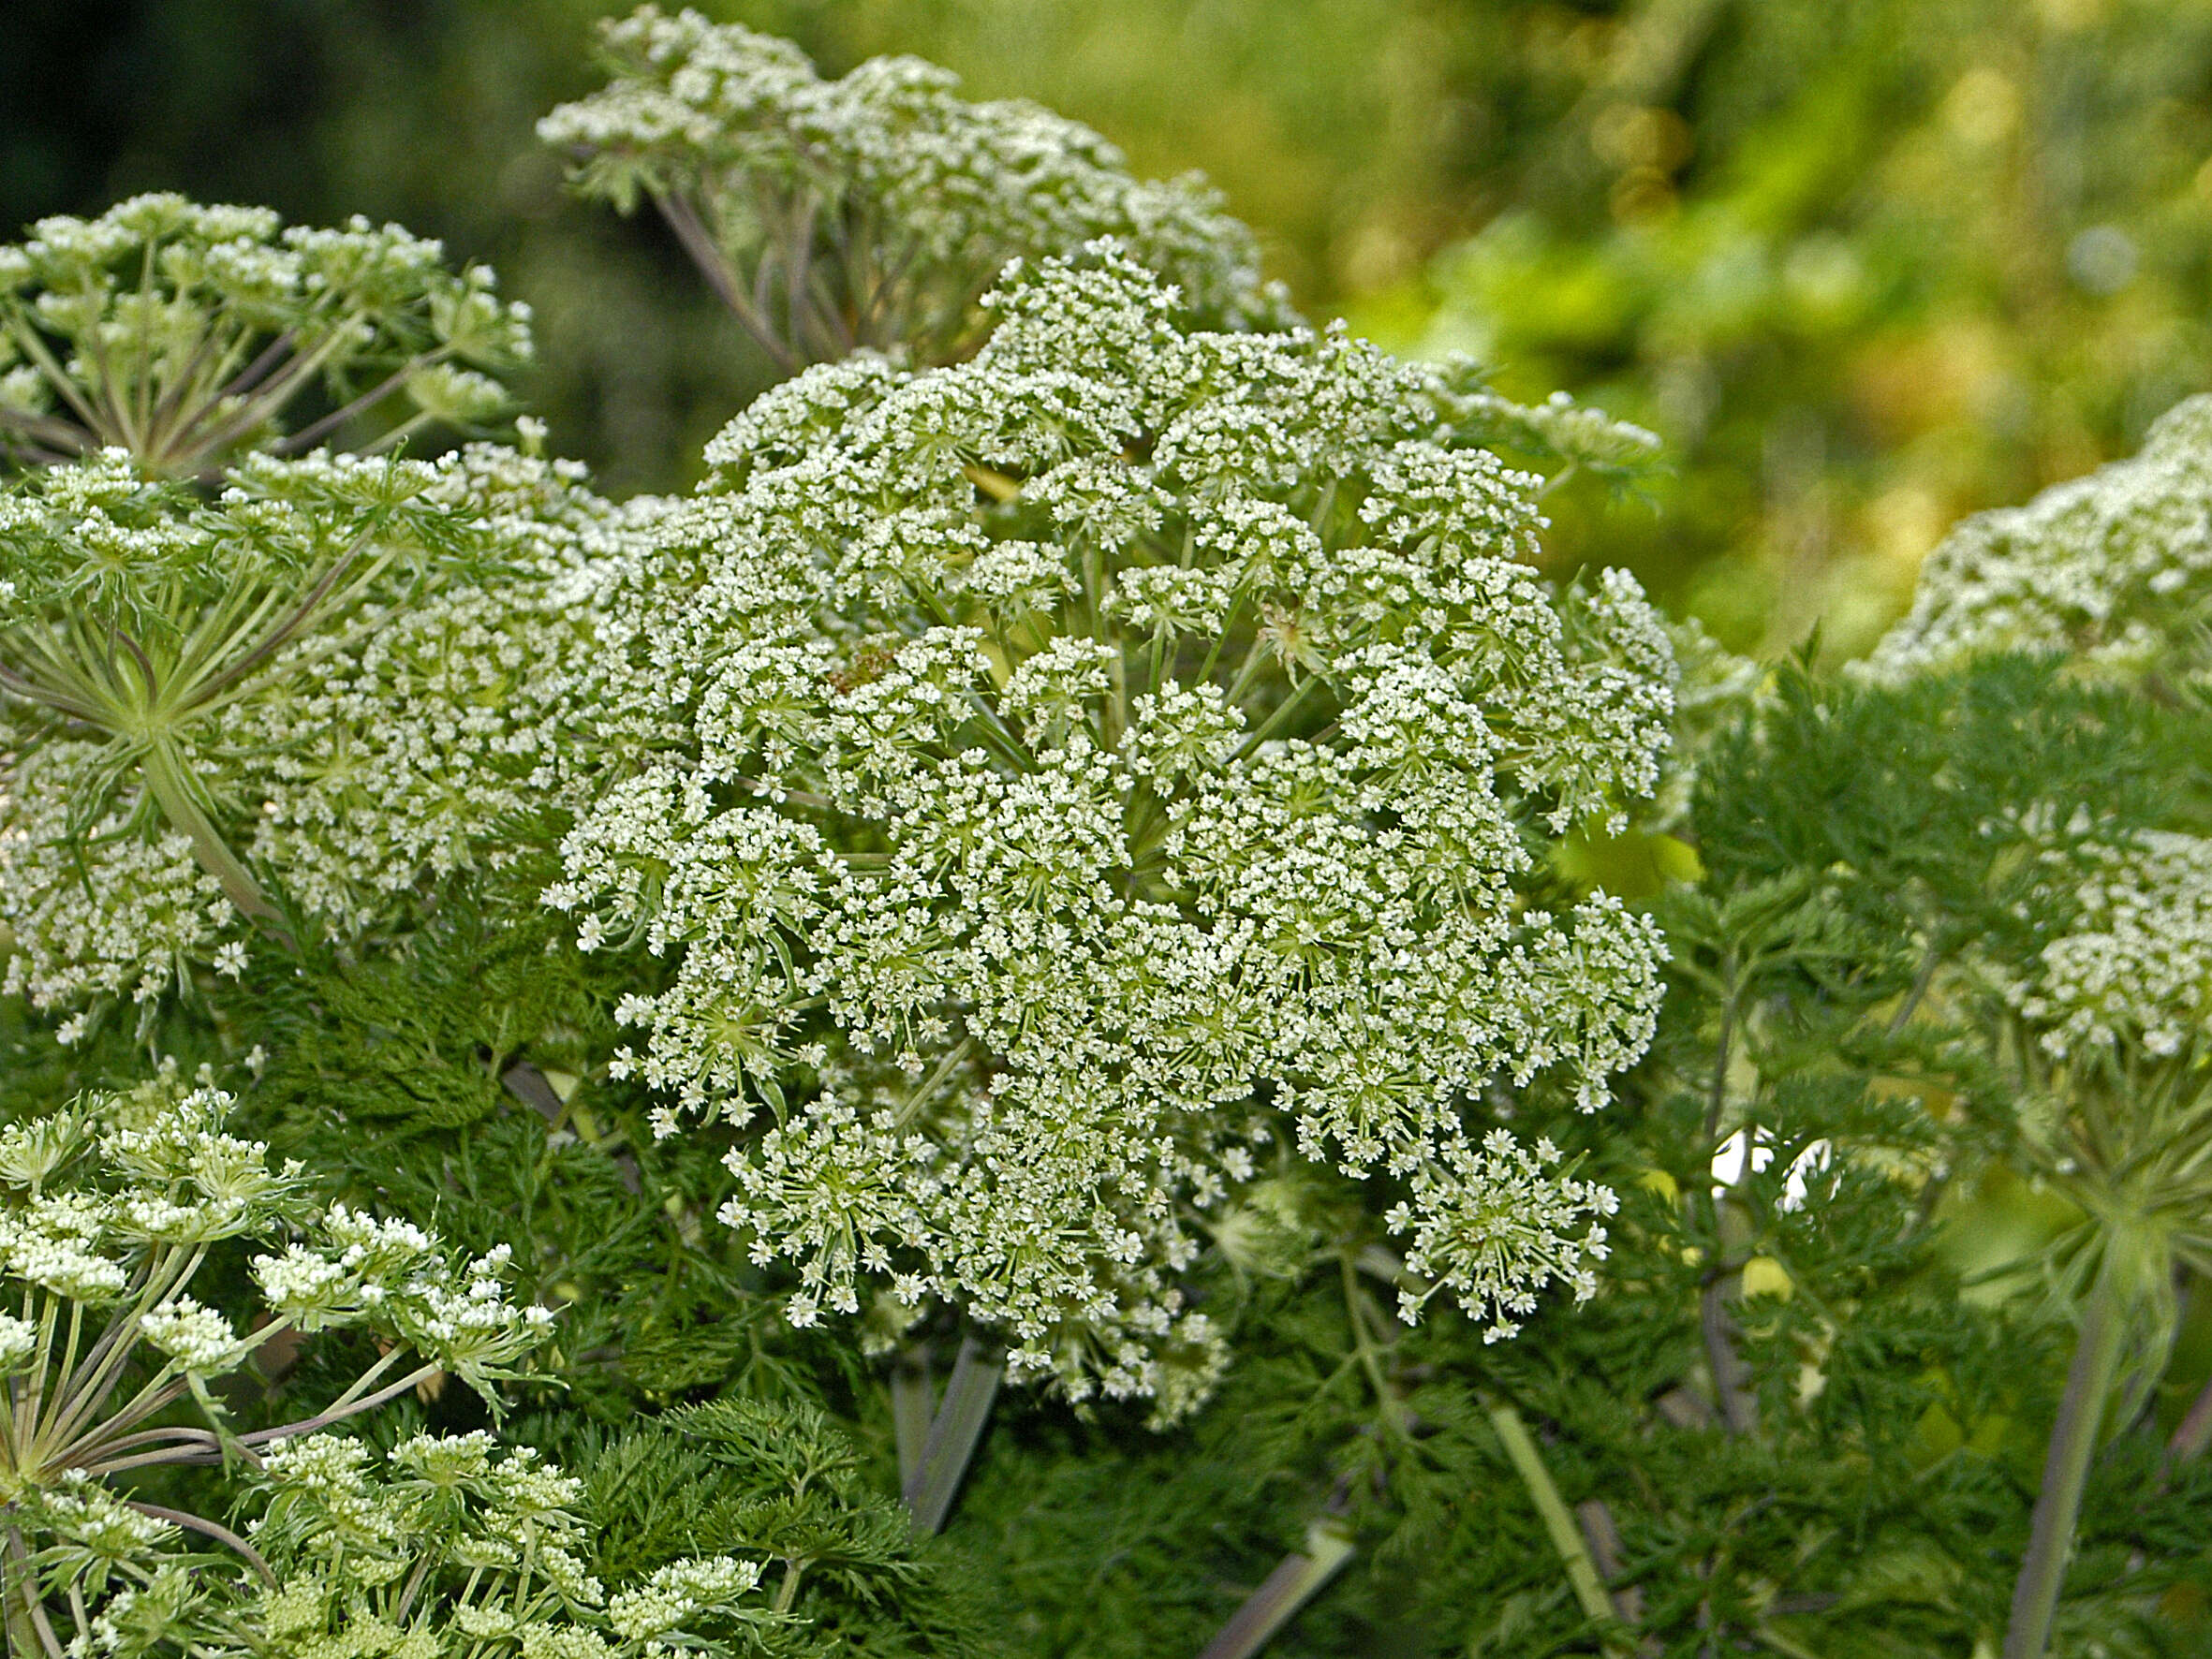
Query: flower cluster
x=1112, y=755
x=2114, y=568
x=338, y=676
x=107, y=1211
x=873, y=211
x=2135, y=964
x=186, y=334
x=397, y=1280
x=95, y=1195
x=460, y=1550
x=444, y=1546
x=1493, y=1225
x=469, y=717
x=96, y=907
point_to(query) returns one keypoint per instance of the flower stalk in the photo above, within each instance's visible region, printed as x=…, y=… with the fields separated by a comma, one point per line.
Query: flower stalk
x=2066, y=1466
x=953, y=1434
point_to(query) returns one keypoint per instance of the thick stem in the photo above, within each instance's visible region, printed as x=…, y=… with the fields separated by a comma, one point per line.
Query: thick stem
x=1732, y=1376
x=787, y=1592
x=166, y=778
x=22, y=1636
x=1716, y=1091
x=29, y=1630
x=1294, y=1582
x=913, y=1400
x=2073, y=1439
x=952, y=1437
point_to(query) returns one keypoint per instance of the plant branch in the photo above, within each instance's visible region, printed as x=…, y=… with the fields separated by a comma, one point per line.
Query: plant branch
x=306, y=436
x=222, y=1534
x=2066, y=1469
x=165, y=777
x=324, y=1419
x=952, y=1437
x=1296, y=1580
x=26, y=1583
x=1558, y=1521
x=1732, y=1376
x=912, y=1404
x=685, y=221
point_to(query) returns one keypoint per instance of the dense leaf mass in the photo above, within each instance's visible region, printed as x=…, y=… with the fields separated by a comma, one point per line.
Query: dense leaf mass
x=1085, y=849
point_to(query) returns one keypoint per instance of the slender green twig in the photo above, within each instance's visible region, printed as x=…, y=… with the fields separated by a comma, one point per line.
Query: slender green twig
x=1558, y=1520
x=222, y=1534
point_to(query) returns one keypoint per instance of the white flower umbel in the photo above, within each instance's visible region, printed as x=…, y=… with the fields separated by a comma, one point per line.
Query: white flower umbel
x=468, y=718
x=99, y=906
x=2114, y=568
x=337, y=680
x=107, y=1211
x=2136, y=965
x=874, y=211
x=184, y=335
x=142, y=613
x=1493, y=1226
x=1125, y=750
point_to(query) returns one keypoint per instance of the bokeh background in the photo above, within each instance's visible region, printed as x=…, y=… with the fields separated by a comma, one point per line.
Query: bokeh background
x=1867, y=265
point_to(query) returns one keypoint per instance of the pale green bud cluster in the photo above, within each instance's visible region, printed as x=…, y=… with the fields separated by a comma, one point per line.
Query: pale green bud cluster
x=189, y=335
x=87, y=1206
x=448, y=1547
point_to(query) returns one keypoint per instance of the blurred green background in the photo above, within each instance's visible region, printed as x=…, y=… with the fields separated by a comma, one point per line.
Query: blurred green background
x=1865, y=265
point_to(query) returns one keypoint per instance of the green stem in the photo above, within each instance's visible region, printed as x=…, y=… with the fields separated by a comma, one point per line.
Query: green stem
x=165, y=777
x=912, y=1404
x=1296, y=1580
x=2073, y=1439
x=787, y=1592
x=952, y=1437
x=1558, y=1520
x=29, y=1630
x=1363, y=1347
